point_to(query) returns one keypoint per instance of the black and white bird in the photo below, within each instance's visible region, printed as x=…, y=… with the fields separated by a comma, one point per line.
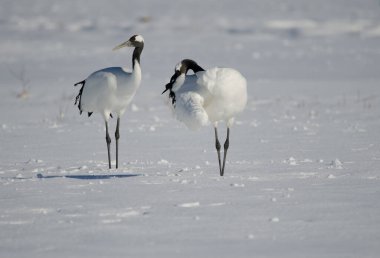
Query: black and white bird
x=212, y=95
x=110, y=90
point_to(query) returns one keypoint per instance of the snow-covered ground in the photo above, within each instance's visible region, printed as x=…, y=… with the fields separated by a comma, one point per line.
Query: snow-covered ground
x=303, y=176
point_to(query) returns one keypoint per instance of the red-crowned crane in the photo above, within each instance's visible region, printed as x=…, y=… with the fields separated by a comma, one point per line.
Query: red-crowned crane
x=212, y=95
x=110, y=90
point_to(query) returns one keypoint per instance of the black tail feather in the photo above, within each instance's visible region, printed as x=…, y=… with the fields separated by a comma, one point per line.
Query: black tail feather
x=81, y=82
x=89, y=114
x=78, y=98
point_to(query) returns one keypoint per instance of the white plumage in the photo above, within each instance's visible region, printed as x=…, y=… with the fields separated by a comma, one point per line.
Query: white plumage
x=213, y=95
x=110, y=90
x=189, y=103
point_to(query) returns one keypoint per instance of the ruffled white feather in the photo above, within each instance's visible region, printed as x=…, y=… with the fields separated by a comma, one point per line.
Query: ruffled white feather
x=217, y=94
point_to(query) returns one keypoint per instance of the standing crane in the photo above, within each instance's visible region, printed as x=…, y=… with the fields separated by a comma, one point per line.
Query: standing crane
x=212, y=95
x=110, y=90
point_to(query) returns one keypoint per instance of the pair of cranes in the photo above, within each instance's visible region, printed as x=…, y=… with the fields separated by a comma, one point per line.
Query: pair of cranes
x=211, y=95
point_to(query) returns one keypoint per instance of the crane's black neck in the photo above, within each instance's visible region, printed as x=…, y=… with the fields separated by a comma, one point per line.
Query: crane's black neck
x=196, y=68
x=136, y=54
x=189, y=64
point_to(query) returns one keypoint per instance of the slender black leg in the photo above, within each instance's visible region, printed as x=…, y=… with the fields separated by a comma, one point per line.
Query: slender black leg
x=226, y=145
x=217, y=146
x=108, y=140
x=117, y=136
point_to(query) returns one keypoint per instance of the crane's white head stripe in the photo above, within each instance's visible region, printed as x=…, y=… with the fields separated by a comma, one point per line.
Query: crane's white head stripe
x=139, y=38
x=178, y=67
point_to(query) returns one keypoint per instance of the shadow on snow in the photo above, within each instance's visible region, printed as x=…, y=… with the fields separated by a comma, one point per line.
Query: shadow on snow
x=92, y=177
x=83, y=177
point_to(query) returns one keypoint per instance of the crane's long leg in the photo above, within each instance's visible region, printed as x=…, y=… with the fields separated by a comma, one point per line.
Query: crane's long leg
x=217, y=146
x=108, y=140
x=117, y=136
x=226, y=145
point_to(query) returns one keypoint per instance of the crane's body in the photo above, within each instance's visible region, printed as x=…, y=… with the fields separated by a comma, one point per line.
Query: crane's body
x=110, y=90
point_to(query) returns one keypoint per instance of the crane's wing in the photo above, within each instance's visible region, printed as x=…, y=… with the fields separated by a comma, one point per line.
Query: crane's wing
x=98, y=91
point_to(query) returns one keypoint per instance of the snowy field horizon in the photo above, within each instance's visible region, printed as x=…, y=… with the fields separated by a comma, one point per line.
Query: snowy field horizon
x=303, y=172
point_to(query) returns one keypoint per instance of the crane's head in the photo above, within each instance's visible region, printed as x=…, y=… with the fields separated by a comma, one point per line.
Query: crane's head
x=134, y=41
x=179, y=76
x=180, y=72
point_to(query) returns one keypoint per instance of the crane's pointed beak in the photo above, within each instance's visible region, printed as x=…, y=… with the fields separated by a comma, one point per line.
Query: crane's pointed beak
x=124, y=44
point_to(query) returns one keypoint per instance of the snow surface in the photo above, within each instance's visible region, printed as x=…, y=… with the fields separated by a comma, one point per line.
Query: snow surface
x=303, y=177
